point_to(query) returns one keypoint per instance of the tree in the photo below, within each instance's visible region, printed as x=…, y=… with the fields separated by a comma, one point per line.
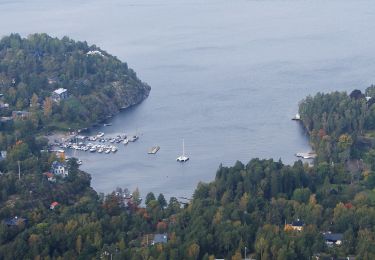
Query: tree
x=162, y=201
x=149, y=197
x=47, y=107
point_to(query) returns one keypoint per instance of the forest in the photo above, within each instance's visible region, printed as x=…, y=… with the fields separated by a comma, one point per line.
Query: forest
x=97, y=84
x=264, y=208
x=250, y=205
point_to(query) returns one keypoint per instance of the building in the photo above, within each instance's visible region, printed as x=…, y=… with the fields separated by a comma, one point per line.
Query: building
x=59, y=94
x=15, y=221
x=296, y=225
x=332, y=239
x=53, y=205
x=20, y=115
x=59, y=169
x=160, y=238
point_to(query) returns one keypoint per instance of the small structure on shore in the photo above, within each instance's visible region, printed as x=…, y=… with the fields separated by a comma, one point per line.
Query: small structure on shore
x=297, y=117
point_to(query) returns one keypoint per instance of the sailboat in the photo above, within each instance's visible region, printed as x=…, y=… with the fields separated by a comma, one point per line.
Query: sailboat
x=182, y=158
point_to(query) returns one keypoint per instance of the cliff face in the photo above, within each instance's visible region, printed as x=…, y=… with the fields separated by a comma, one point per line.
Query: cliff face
x=98, y=84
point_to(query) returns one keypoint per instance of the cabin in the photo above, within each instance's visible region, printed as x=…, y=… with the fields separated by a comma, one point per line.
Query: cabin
x=59, y=94
x=333, y=239
x=296, y=225
x=53, y=205
x=20, y=115
x=15, y=221
x=160, y=238
x=59, y=169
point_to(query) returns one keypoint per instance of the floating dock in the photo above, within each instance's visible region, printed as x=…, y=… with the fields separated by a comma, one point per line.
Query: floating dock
x=309, y=155
x=154, y=149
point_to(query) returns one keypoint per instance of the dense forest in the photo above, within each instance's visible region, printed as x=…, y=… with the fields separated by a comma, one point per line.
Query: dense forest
x=97, y=84
x=264, y=208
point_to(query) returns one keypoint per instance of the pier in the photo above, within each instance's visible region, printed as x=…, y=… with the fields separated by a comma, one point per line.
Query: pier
x=154, y=149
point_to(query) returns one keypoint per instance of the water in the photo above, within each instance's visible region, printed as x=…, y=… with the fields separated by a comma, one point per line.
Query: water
x=225, y=75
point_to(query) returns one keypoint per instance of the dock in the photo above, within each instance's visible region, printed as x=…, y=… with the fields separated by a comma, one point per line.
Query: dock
x=309, y=155
x=154, y=149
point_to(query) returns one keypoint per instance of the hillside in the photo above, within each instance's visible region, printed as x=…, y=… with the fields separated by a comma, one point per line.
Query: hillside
x=96, y=84
x=273, y=210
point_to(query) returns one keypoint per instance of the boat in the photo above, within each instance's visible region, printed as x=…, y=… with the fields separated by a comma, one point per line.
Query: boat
x=100, y=134
x=154, y=149
x=114, y=149
x=183, y=157
x=93, y=150
x=100, y=150
x=297, y=117
x=109, y=124
x=107, y=151
x=79, y=162
x=134, y=138
x=126, y=141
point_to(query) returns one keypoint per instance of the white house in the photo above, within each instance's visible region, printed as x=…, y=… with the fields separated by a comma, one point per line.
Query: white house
x=59, y=169
x=59, y=94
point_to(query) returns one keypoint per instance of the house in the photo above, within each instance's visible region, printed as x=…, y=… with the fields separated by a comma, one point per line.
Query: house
x=53, y=205
x=333, y=238
x=296, y=225
x=59, y=169
x=50, y=176
x=160, y=238
x=3, y=155
x=20, y=115
x=3, y=105
x=15, y=221
x=59, y=94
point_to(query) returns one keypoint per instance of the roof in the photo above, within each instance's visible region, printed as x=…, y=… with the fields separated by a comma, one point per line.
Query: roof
x=60, y=91
x=54, y=204
x=57, y=164
x=20, y=113
x=48, y=174
x=298, y=223
x=160, y=238
x=14, y=221
x=333, y=236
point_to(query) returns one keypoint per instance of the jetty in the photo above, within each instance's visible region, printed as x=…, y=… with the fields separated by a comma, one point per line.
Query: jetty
x=154, y=149
x=309, y=155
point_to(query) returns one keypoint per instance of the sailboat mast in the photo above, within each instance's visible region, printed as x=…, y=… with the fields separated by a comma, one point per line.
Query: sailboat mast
x=183, y=147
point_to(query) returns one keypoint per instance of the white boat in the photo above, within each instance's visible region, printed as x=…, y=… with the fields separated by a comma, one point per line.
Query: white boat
x=297, y=117
x=107, y=150
x=100, y=150
x=126, y=141
x=100, y=134
x=79, y=162
x=93, y=150
x=114, y=149
x=183, y=157
x=133, y=138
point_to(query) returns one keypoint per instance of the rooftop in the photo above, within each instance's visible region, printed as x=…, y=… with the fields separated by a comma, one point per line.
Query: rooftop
x=60, y=91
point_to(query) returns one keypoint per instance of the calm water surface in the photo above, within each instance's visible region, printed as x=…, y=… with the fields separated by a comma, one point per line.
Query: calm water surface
x=225, y=75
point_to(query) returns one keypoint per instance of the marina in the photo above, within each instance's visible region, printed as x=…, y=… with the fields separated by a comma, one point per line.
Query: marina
x=93, y=144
